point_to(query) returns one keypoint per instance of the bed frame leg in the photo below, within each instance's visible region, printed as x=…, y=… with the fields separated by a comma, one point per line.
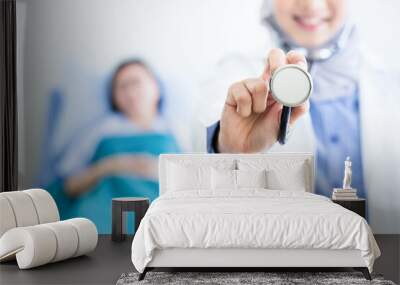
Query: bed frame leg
x=364, y=271
x=143, y=274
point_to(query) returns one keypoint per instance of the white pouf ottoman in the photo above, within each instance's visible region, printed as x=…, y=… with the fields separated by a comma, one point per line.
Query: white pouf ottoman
x=31, y=232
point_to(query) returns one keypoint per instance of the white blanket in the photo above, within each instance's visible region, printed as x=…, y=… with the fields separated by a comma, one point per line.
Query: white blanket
x=252, y=218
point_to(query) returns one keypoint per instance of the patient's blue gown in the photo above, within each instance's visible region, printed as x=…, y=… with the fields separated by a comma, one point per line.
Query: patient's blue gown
x=95, y=204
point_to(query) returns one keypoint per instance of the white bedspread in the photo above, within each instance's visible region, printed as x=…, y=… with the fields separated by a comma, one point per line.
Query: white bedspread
x=250, y=219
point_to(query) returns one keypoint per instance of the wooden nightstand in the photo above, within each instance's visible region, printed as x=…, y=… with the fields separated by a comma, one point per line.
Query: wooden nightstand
x=357, y=206
x=120, y=206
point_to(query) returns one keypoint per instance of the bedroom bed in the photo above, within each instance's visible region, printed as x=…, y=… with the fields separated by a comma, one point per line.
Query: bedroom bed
x=247, y=211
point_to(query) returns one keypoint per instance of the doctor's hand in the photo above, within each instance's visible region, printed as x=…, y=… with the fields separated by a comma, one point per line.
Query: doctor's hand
x=251, y=116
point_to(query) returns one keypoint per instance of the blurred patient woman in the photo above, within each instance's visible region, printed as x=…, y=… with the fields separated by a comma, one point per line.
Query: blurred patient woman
x=117, y=155
x=135, y=96
x=353, y=110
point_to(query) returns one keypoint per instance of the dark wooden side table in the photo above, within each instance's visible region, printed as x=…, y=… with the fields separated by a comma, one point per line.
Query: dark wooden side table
x=357, y=206
x=122, y=205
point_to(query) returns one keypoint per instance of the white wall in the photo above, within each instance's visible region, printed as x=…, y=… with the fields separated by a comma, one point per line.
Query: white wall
x=182, y=37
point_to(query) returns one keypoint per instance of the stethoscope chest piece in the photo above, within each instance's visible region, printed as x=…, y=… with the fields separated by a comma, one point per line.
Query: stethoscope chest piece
x=291, y=86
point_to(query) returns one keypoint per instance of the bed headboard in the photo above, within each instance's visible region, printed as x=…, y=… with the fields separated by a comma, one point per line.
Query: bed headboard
x=235, y=159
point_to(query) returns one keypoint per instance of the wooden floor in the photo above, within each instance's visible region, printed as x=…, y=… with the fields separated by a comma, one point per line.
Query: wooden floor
x=111, y=259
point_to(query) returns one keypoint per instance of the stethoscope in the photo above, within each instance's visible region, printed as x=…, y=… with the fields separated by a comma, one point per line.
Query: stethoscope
x=291, y=85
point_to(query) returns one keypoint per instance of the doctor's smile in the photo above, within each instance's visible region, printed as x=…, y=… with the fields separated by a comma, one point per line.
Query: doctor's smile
x=310, y=23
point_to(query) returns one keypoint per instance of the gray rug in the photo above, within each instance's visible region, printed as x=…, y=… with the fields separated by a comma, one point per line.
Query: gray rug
x=229, y=278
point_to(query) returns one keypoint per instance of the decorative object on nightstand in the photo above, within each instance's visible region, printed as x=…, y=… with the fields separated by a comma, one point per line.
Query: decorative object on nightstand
x=347, y=192
x=358, y=205
x=344, y=194
x=120, y=206
x=347, y=174
x=347, y=196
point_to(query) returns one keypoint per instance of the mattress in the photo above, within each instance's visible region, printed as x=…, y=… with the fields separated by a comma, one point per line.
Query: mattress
x=250, y=219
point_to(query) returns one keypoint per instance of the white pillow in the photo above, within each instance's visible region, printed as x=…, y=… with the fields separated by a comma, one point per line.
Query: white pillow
x=293, y=179
x=282, y=174
x=223, y=179
x=188, y=177
x=251, y=178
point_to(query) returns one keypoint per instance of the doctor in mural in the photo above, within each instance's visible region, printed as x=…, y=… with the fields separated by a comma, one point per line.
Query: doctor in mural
x=353, y=111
